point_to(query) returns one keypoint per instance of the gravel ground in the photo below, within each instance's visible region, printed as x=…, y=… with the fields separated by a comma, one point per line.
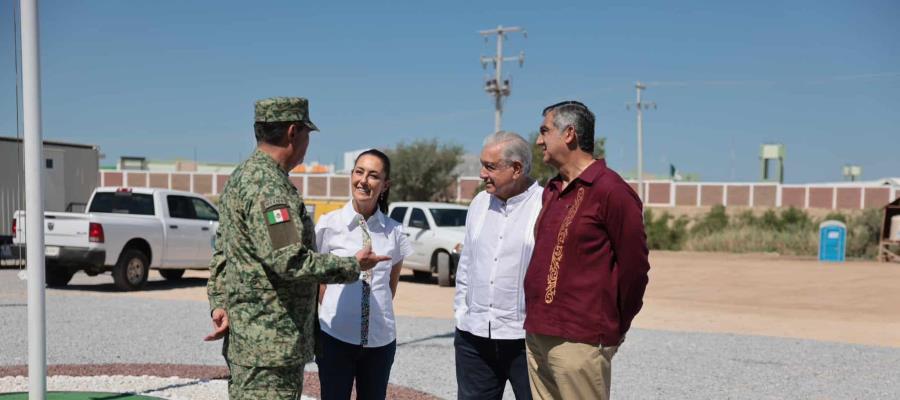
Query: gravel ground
x=85, y=327
x=167, y=388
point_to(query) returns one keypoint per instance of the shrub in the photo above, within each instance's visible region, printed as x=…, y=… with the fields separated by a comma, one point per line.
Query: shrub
x=794, y=218
x=752, y=239
x=769, y=220
x=864, y=233
x=746, y=218
x=836, y=216
x=665, y=232
x=792, y=232
x=714, y=221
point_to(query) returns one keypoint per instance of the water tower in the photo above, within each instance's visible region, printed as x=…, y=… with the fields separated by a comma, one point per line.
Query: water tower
x=852, y=172
x=774, y=153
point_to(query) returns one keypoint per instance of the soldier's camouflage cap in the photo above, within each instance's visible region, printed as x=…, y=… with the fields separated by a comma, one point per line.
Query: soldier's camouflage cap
x=284, y=109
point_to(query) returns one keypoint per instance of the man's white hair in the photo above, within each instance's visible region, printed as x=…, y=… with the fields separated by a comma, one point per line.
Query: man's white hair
x=514, y=148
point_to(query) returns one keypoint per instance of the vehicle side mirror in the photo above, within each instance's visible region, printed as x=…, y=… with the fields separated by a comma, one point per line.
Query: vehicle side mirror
x=418, y=224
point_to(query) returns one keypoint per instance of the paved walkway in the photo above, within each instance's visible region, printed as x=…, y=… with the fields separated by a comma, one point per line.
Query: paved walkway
x=701, y=300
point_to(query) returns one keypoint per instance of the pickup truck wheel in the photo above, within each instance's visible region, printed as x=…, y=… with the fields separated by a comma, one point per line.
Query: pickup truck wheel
x=443, y=269
x=421, y=275
x=58, y=276
x=172, y=274
x=130, y=273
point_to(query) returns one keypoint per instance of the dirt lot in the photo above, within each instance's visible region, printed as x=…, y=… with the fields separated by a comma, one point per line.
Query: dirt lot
x=854, y=302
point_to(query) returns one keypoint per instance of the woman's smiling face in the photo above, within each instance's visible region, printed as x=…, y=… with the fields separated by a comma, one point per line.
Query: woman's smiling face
x=368, y=181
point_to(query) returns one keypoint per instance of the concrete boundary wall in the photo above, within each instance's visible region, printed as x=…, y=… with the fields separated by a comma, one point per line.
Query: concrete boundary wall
x=660, y=193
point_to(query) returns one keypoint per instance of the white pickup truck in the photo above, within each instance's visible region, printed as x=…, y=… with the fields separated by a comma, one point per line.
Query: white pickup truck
x=127, y=231
x=433, y=229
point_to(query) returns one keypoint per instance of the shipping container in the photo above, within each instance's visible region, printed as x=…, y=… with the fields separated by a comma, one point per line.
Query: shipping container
x=71, y=172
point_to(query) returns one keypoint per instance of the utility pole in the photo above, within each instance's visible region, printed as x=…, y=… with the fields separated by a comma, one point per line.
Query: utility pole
x=499, y=87
x=640, y=107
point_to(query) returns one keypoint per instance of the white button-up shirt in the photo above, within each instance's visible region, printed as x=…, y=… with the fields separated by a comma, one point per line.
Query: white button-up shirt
x=340, y=313
x=490, y=300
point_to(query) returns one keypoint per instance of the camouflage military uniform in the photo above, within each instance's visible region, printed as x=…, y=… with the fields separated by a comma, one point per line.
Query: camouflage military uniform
x=265, y=274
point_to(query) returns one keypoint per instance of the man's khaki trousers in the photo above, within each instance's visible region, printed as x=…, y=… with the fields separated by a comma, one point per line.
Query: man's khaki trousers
x=565, y=370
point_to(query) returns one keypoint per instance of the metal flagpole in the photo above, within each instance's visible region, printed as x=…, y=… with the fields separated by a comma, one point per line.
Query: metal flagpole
x=34, y=200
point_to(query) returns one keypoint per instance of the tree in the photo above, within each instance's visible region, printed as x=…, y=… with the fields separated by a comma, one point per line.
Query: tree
x=423, y=170
x=543, y=172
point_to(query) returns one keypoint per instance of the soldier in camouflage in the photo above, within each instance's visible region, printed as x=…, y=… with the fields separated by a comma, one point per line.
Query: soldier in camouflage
x=265, y=271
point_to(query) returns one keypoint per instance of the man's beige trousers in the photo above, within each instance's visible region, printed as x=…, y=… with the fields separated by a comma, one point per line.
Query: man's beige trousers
x=564, y=370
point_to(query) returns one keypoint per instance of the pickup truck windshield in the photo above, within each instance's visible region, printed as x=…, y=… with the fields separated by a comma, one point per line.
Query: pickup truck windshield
x=122, y=203
x=448, y=216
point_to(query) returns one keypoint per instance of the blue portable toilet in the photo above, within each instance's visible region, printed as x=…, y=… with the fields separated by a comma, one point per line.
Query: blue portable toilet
x=832, y=241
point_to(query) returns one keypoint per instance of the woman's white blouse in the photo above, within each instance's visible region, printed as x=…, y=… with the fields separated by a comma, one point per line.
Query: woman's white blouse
x=340, y=313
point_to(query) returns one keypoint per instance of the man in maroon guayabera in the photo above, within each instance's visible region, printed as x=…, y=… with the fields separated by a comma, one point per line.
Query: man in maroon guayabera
x=588, y=271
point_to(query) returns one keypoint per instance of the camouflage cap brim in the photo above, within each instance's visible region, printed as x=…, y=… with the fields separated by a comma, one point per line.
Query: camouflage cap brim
x=311, y=125
x=284, y=109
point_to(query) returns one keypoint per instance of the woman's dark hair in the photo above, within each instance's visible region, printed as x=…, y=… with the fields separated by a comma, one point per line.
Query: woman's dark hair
x=383, y=198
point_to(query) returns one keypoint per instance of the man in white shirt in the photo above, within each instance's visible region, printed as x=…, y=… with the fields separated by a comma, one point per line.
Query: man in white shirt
x=489, y=304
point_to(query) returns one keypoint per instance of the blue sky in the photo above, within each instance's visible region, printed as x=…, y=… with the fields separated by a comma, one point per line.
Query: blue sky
x=164, y=79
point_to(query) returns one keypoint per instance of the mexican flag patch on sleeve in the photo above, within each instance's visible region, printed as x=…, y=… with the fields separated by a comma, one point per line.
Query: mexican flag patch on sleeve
x=277, y=216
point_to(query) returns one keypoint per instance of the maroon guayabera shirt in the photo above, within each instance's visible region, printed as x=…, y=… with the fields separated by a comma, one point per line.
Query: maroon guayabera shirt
x=588, y=272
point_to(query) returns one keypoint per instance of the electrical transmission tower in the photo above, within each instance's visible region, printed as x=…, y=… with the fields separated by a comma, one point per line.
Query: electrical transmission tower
x=497, y=86
x=640, y=107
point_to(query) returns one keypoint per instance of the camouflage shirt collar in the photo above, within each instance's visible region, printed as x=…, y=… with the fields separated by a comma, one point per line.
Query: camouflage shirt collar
x=261, y=156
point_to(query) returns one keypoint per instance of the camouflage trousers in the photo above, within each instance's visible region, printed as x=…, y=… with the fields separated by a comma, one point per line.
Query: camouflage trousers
x=277, y=383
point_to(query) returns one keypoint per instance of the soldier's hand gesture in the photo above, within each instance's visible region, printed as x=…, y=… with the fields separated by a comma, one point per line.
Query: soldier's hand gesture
x=367, y=259
x=220, y=325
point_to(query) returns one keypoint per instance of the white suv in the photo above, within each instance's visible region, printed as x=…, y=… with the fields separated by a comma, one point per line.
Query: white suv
x=433, y=229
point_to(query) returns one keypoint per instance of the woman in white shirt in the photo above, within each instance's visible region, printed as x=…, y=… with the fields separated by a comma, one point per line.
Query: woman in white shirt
x=358, y=335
